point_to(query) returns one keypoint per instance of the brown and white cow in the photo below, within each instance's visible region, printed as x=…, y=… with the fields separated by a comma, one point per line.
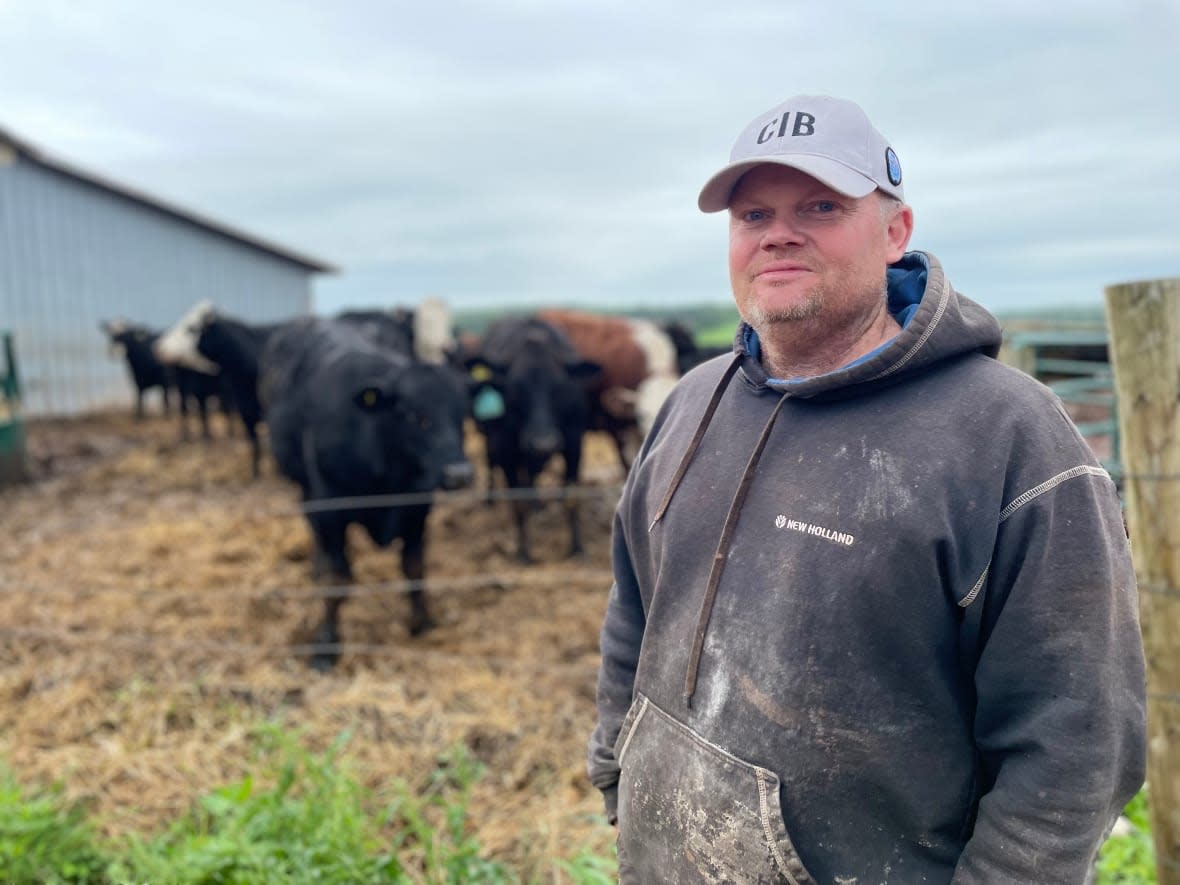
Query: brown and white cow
x=635, y=355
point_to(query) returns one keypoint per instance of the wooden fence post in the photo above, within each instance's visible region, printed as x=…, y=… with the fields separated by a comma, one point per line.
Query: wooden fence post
x=1144, y=321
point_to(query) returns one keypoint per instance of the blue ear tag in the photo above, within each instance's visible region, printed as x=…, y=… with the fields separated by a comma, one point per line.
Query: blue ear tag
x=488, y=404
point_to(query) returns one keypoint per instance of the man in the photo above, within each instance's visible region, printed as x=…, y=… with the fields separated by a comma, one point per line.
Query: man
x=874, y=617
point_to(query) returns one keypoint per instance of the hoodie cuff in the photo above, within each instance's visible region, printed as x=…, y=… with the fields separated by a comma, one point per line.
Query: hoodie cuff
x=610, y=798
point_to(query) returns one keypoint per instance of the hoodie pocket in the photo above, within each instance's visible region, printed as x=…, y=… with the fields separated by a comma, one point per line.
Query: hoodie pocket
x=691, y=812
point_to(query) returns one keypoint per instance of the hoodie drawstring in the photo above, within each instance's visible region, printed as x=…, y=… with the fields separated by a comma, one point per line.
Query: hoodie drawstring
x=699, y=435
x=722, y=554
x=731, y=519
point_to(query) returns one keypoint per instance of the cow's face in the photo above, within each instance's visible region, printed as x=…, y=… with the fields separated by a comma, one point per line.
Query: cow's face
x=540, y=393
x=125, y=338
x=179, y=345
x=420, y=419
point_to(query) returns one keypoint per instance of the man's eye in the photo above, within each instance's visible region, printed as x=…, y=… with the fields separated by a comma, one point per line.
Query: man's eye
x=824, y=206
x=754, y=215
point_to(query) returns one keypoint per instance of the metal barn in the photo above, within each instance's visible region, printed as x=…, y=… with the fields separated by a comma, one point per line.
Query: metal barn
x=77, y=249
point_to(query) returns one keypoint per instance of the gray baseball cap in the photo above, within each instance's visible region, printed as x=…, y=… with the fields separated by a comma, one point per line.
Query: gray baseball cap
x=828, y=138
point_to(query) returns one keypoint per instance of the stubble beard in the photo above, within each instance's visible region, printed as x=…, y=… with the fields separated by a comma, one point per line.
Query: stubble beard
x=808, y=308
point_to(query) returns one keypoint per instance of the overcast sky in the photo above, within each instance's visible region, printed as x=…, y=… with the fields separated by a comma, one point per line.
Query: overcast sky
x=543, y=151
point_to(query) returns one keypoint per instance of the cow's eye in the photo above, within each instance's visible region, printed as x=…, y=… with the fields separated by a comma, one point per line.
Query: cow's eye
x=425, y=423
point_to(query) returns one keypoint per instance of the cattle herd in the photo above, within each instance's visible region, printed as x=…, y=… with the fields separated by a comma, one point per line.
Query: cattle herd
x=367, y=405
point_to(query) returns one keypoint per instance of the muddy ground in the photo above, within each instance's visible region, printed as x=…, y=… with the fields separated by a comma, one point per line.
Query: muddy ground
x=155, y=600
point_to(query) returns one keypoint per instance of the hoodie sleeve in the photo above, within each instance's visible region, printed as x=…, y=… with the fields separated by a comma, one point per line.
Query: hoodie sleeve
x=1060, y=720
x=622, y=635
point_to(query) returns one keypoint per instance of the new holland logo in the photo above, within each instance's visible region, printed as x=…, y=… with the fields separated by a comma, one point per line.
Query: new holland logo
x=818, y=531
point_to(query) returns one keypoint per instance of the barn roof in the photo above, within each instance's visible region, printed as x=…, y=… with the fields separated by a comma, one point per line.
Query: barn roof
x=26, y=151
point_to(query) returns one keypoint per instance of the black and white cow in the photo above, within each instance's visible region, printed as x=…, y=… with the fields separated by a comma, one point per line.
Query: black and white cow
x=208, y=341
x=530, y=401
x=133, y=343
x=347, y=417
x=138, y=344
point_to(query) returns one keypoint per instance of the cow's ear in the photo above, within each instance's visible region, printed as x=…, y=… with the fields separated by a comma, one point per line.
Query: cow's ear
x=370, y=399
x=583, y=370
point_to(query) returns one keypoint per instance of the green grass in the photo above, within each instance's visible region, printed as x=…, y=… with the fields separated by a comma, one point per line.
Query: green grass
x=311, y=823
x=1130, y=859
x=717, y=335
x=304, y=818
x=44, y=839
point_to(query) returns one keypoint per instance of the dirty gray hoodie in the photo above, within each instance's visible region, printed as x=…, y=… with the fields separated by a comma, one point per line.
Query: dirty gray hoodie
x=874, y=626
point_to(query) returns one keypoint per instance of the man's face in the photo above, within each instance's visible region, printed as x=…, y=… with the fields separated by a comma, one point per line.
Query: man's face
x=799, y=250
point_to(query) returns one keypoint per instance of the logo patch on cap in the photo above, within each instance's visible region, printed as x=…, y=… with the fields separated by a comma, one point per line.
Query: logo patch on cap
x=892, y=167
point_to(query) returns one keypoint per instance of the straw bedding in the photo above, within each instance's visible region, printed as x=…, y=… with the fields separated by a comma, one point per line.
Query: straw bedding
x=154, y=599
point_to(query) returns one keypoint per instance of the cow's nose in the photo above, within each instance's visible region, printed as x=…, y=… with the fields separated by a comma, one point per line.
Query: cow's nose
x=458, y=476
x=543, y=443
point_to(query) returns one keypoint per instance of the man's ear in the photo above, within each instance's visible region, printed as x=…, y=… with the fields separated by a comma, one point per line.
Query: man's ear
x=898, y=230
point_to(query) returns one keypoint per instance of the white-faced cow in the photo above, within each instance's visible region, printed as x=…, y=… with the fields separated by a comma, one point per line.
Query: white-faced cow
x=530, y=402
x=347, y=417
x=208, y=341
x=652, y=391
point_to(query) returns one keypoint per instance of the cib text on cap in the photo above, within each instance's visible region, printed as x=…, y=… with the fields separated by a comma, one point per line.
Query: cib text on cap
x=830, y=139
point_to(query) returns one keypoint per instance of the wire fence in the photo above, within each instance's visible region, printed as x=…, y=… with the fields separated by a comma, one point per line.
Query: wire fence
x=521, y=578
x=433, y=586
x=408, y=499
x=263, y=509
x=246, y=651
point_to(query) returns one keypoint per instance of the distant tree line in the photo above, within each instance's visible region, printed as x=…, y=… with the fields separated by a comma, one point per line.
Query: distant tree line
x=698, y=318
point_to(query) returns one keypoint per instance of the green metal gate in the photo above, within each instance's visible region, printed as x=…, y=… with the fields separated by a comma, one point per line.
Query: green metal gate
x=13, y=462
x=1052, y=355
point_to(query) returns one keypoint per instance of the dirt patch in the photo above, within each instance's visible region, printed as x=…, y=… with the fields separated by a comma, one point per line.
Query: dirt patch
x=155, y=603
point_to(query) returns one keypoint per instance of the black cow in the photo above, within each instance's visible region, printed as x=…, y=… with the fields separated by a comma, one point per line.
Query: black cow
x=148, y=371
x=389, y=330
x=349, y=418
x=689, y=354
x=209, y=341
x=135, y=342
x=236, y=347
x=199, y=388
x=530, y=401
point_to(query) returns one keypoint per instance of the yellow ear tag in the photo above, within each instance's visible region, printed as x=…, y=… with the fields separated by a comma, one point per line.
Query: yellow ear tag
x=370, y=398
x=481, y=373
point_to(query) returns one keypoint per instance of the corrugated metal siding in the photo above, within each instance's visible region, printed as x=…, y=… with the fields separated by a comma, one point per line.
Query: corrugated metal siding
x=73, y=255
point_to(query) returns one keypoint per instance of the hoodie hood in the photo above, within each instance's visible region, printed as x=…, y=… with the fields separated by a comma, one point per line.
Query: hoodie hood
x=937, y=324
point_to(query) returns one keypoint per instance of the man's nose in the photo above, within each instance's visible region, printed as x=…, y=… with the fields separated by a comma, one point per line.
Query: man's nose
x=782, y=231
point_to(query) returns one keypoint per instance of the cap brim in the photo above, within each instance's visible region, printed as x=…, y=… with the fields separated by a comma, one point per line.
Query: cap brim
x=717, y=190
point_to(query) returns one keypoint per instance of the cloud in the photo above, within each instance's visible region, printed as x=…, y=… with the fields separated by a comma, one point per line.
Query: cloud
x=524, y=151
